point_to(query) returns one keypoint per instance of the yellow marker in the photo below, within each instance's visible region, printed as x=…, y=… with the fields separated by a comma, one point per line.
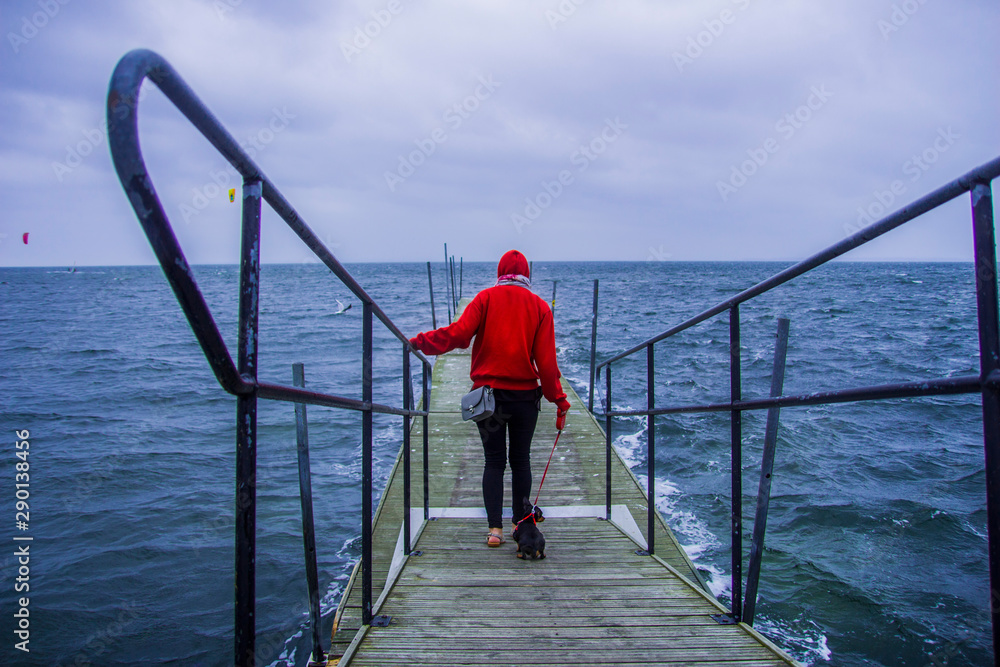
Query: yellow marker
x=232, y=194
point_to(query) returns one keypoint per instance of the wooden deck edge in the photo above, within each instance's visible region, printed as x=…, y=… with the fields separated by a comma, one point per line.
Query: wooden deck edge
x=778, y=651
x=342, y=605
x=771, y=645
x=400, y=559
x=627, y=525
x=345, y=596
x=345, y=660
x=635, y=480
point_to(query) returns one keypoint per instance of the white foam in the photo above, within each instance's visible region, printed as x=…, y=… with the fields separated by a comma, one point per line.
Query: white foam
x=719, y=582
x=630, y=448
x=806, y=639
x=685, y=524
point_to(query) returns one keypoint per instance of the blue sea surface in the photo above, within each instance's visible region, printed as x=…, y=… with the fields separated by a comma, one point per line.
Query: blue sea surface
x=876, y=550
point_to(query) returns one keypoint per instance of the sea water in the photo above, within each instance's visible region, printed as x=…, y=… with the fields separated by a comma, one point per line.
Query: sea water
x=875, y=554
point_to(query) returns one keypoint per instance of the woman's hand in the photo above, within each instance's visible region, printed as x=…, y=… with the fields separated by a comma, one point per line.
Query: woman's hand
x=562, y=407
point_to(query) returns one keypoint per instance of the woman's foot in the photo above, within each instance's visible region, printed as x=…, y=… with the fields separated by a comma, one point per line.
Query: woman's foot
x=494, y=538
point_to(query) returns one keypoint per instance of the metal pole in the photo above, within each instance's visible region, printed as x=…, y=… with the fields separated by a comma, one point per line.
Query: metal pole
x=407, y=403
x=430, y=285
x=736, y=437
x=554, y=283
x=593, y=351
x=305, y=499
x=651, y=450
x=454, y=292
x=426, y=443
x=447, y=293
x=766, y=470
x=246, y=430
x=607, y=437
x=461, y=276
x=989, y=360
x=366, y=468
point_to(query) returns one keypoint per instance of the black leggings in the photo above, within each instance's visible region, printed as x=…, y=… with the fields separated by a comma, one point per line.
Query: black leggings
x=519, y=418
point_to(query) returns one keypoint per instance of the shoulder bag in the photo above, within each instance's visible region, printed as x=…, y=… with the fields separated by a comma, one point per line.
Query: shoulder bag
x=478, y=404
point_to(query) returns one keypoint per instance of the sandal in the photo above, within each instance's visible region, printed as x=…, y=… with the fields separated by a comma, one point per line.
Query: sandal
x=494, y=540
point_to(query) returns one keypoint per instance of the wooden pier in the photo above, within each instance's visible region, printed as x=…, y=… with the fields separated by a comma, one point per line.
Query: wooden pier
x=592, y=601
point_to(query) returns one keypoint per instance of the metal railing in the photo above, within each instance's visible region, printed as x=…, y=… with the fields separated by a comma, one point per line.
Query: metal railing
x=978, y=183
x=241, y=379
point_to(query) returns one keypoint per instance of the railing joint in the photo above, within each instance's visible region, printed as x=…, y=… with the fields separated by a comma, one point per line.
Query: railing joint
x=725, y=619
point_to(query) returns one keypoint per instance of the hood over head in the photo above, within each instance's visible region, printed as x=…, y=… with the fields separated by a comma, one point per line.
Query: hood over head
x=513, y=263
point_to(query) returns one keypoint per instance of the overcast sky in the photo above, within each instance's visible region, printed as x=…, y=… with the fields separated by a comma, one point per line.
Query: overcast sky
x=572, y=129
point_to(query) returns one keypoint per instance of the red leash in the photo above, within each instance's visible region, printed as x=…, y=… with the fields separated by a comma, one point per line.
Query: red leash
x=558, y=433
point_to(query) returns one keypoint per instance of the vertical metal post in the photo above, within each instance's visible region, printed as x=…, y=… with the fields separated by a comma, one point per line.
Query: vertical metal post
x=461, y=276
x=305, y=499
x=407, y=405
x=989, y=361
x=447, y=293
x=246, y=430
x=454, y=292
x=430, y=285
x=650, y=450
x=607, y=437
x=593, y=351
x=766, y=470
x=366, y=468
x=554, y=283
x=426, y=443
x=736, y=484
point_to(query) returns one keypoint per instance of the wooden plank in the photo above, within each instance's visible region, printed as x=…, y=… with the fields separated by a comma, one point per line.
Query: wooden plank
x=649, y=662
x=482, y=653
x=696, y=636
x=662, y=646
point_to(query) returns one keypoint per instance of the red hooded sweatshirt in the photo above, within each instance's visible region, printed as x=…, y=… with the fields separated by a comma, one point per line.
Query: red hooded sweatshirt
x=515, y=342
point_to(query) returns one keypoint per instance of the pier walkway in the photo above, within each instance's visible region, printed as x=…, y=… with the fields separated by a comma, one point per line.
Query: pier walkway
x=592, y=601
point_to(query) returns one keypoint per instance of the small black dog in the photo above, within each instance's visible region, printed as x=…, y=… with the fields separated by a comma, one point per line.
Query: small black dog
x=530, y=541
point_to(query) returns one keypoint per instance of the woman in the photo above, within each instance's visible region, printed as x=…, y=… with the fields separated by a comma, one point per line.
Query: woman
x=515, y=348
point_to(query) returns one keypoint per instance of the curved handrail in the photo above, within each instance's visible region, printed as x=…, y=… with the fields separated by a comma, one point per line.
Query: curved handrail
x=123, y=139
